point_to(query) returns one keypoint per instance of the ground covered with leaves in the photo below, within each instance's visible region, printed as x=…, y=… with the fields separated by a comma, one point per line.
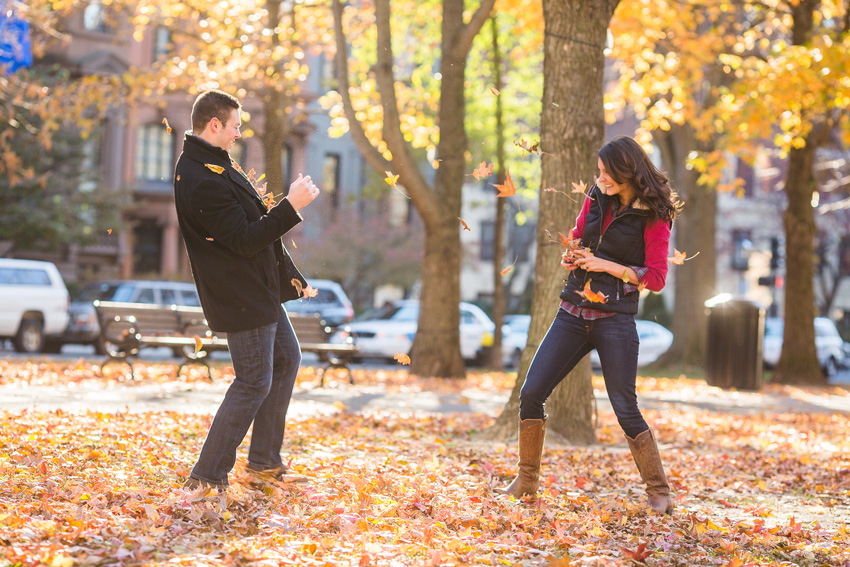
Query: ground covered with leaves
x=105, y=489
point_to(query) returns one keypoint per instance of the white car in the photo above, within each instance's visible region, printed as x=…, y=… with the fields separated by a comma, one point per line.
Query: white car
x=389, y=330
x=33, y=304
x=514, y=337
x=654, y=339
x=829, y=344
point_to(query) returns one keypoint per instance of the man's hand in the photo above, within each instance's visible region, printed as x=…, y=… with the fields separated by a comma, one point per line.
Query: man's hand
x=302, y=192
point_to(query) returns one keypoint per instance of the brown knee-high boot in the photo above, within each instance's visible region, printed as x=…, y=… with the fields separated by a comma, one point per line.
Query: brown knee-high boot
x=531, y=435
x=648, y=461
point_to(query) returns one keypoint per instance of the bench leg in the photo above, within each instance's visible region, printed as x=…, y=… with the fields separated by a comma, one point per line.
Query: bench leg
x=188, y=360
x=322, y=377
x=119, y=359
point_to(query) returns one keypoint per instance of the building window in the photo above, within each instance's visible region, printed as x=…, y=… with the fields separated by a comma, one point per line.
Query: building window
x=742, y=244
x=147, y=249
x=94, y=17
x=330, y=178
x=154, y=153
x=90, y=162
x=488, y=236
x=161, y=44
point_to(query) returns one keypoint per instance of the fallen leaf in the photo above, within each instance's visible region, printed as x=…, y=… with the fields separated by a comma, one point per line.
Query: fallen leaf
x=402, y=358
x=214, y=168
x=638, y=555
x=465, y=226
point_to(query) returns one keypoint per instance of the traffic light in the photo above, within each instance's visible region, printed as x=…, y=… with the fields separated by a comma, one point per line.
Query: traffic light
x=777, y=253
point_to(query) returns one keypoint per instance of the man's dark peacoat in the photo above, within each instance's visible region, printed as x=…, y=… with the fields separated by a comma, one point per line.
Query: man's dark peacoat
x=241, y=268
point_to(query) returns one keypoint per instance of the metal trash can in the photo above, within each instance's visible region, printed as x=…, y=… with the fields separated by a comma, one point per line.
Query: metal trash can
x=734, y=349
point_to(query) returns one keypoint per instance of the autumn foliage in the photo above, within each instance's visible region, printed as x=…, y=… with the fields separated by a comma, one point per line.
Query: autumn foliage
x=398, y=489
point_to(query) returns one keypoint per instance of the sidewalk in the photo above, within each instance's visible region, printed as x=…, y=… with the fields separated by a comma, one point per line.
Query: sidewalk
x=311, y=400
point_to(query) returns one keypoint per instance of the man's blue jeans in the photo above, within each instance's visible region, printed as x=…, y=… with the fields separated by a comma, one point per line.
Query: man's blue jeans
x=567, y=341
x=265, y=361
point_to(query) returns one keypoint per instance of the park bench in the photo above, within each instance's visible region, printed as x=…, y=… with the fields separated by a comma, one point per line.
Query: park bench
x=128, y=327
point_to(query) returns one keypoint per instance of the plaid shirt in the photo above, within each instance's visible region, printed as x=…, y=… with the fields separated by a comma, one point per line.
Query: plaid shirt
x=593, y=314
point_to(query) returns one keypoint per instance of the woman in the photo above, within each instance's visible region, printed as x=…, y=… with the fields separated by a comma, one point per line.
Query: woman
x=624, y=228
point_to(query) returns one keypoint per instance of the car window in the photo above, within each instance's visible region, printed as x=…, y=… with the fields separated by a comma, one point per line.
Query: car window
x=103, y=291
x=145, y=295
x=467, y=318
x=825, y=328
x=326, y=296
x=190, y=298
x=123, y=292
x=169, y=296
x=24, y=276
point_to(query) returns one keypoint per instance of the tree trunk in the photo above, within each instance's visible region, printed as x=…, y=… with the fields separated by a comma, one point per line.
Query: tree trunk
x=436, y=348
x=798, y=362
x=497, y=361
x=572, y=131
x=695, y=232
x=275, y=125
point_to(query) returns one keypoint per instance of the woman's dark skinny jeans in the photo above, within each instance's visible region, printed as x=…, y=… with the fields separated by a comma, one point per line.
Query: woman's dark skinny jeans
x=567, y=341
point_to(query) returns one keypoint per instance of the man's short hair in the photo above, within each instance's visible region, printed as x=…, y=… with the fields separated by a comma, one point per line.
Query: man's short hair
x=212, y=104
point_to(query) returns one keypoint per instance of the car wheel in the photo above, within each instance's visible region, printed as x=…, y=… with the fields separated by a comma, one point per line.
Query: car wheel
x=30, y=338
x=830, y=369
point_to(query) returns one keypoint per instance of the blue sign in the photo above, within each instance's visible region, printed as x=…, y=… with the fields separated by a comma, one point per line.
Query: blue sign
x=15, y=48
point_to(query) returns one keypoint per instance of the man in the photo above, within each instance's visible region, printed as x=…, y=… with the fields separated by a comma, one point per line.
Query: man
x=243, y=274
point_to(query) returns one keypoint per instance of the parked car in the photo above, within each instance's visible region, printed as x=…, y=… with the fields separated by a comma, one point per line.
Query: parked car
x=514, y=337
x=389, y=330
x=654, y=339
x=33, y=304
x=331, y=303
x=828, y=343
x=84, y=328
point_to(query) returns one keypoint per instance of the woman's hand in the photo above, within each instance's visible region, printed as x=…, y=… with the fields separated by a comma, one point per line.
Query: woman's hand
x=587, y=261
x=567, y=260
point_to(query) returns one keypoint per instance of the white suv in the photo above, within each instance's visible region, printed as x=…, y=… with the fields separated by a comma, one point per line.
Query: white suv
x=33, y=303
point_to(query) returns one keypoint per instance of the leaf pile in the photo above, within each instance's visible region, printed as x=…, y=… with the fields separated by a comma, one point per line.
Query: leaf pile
x=104, y=489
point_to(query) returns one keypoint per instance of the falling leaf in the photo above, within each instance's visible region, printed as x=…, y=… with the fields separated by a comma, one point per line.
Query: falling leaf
x=580, y=187
x=556, y=105
x=641, y=286
x=391, y=179
x=509, y=268
x=465, y=226
x=625, y=276
x=592, y=296
x=507, y=189
x=553, y=190
x=211, y=239
x=296, y=283
x=310, y=291
x=214, y=168
x=484, y=170
x=495, y=91
x=108, y=231
x=167, y=127
x=529, y=148
x=178, y=178
x=293, y=244
x=679, y=257
x=402, y=358
x=199, y=344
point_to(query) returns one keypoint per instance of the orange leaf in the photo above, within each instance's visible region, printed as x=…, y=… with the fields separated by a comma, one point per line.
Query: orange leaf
x=167, y=127
x=562, y=562
x=310, y=291
x=108, y=231
x=639, y=555
x=495, y=91
x=465, y=226
x=593, y=296
x=403, y=358
x=484, y=170
x=509, y=268
x=214, y=168
x=507, y=189
x=679, y=257
x=566, y=241
x=198, y=344
x=580, y=187
x=296, y=283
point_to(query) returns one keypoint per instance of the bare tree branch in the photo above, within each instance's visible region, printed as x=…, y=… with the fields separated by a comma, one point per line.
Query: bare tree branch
x=369, y=152
x=405, y=166
x=463, y=42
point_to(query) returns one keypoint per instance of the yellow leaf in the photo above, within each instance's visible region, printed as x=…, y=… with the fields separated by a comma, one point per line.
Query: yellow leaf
x=214, y=168
x=391, y=179
x=198, y=344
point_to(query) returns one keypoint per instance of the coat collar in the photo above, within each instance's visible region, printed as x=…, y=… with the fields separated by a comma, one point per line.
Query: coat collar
x=202, y=151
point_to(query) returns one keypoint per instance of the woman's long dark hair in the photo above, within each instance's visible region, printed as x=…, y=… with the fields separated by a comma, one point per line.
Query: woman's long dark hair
x=626, y=161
